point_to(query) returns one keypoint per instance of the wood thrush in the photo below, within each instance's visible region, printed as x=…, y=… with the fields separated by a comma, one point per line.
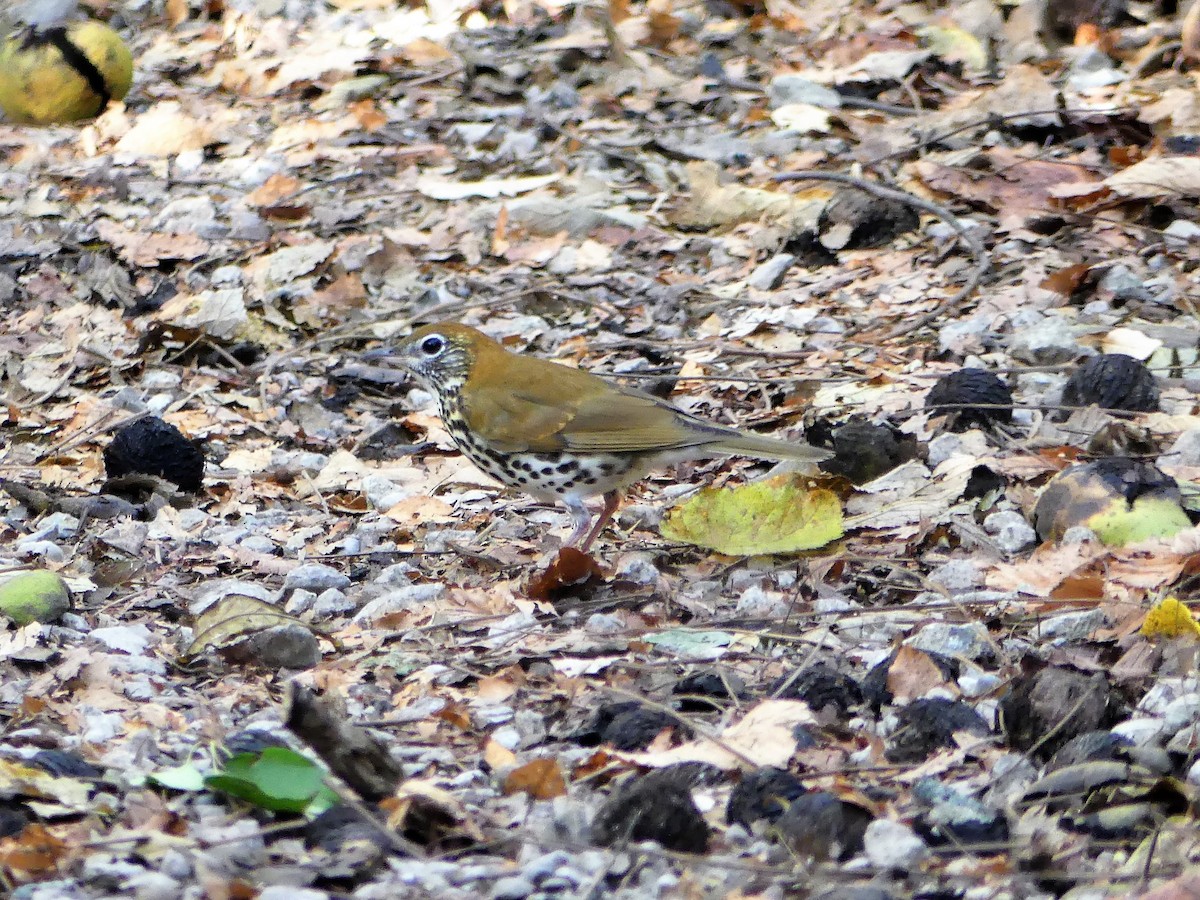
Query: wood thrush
x=559, y=433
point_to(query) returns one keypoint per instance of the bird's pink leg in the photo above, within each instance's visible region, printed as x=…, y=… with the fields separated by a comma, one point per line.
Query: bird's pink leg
x=581, y=518
x=611, y=501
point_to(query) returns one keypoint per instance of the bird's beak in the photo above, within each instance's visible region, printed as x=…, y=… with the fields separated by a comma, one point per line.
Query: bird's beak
x=386, y=356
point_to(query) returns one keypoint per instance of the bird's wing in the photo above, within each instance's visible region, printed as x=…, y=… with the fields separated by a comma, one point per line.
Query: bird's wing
x=513, y=421
x=542, y=407
x=626, y=421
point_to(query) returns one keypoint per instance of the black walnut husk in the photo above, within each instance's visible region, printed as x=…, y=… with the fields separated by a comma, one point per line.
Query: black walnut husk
x=655, y=807
x=1112, y=381
x=151, y=446
x=762, y=794
x=970, y=398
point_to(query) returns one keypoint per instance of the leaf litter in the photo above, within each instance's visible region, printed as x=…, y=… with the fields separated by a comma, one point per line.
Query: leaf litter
x=606, y=186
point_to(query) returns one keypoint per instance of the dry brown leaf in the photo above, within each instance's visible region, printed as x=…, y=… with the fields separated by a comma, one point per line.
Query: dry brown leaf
x=541, y=779
x=914, y=674
x=1158, y=177
x=765, y=736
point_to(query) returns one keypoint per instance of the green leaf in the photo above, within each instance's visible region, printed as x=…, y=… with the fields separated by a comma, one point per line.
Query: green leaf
x=277, y=779
x=778, y=515
x=181, y=778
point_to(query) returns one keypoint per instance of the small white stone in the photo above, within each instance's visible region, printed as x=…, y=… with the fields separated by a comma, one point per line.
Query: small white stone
x=1181, y=712
x=398, y=600
x=892, y=845
x=314, y=577
x=760, y=604
x=1075, y=626
x=1140, y=731
x=970, y=640
x=957, y=575
x=1011, y=531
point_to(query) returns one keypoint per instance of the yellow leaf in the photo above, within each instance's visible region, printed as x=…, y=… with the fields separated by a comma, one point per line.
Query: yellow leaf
x=954, y=45
x=1170, y=619
x=234, y=619
x=777, y=515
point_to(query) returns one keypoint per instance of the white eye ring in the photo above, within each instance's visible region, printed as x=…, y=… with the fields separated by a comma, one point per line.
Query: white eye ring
x=433, y=345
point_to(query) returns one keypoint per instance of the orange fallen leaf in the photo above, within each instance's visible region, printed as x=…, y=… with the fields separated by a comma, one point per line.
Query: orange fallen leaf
x=541, y=779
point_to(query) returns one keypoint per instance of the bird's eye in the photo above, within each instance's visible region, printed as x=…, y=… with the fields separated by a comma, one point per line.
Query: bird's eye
x=433, y=345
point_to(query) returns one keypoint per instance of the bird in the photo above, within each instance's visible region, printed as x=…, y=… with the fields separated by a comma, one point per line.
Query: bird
x=559, y=433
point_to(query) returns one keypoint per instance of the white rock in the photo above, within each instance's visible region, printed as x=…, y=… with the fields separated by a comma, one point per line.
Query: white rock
x=1140, y=731
x=957, y=575
x=1011, y=531
x=759, y=604
x=976, y=684
x=970, y=640
x=314, y=577
x=893, y=845
x=1075, y=626
x=398, y=600
x=131, y=639
x=1165, y=691
x=1181, y=712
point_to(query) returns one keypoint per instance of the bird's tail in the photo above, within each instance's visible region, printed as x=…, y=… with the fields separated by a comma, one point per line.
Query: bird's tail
x=741, y=444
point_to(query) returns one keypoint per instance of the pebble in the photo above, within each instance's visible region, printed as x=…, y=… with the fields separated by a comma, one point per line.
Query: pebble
x=1141, y=731
x=1181, y=231
x=637, y=567
x=288, y=892
x=1185, y=452
x=767, y=276
x=1181, y=712
x=605, y=623
x=1048, y=342
x=64, y=889
x=970, y=640
x=977, y=684
x=532, y=726
x=513, y=887
x=957, y=575
x=398, y=574
x=826, y=325
x=892, y=845
x=786, y=89
x=476, y=872
x=226, y=276
x=47, y=550
x=315, y=577
x=960, y=335
x=1165, y=691
x=639, y=515
x=333, y=603
x=1123, y=284
x=131, y=639
x=300, y=602
x=382, y=493
x=259, y=543
x=1075, y=626
x=1093, y=69
x=290, y=646
x=547, y=864
x=1010, y=530
x=759, y=604
x=398, y=600
x=177, y=865
x=1078, y=534
x=153, y=886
